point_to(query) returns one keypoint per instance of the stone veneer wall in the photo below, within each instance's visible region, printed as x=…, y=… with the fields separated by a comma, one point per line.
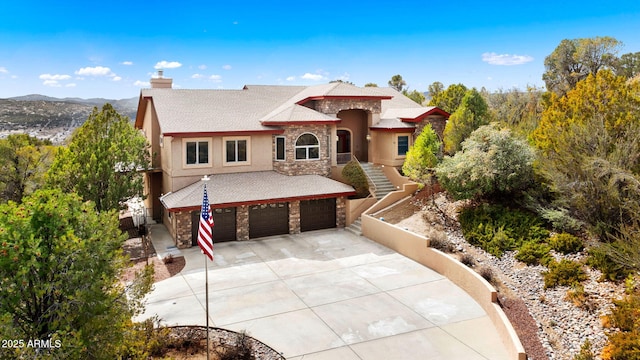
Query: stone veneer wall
x=294, y=217
x=183, y=229
x=291, y=166
x=242, y=223
x=438, y=122
x=341, y=212
x=334, y=106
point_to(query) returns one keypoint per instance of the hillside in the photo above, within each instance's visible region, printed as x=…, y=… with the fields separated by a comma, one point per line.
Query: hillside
x=53, y=118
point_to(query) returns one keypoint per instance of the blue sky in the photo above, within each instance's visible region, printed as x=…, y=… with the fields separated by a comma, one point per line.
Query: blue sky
x=111, y=49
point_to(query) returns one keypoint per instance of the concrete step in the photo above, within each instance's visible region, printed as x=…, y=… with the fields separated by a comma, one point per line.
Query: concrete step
x=355, y=227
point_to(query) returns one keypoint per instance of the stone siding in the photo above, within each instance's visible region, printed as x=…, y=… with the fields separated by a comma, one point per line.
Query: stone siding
x=242, y=223
x=438, y=122
x=183, y=229
x=290, y=166
x=294, y=217
x=334, y=106
x=341, y=212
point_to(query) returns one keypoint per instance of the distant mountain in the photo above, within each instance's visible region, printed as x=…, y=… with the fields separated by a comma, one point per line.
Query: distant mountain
x=53, y=118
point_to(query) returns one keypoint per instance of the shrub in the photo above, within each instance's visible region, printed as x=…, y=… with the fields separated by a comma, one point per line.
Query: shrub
x=625, y=318
x=566, y=243
x=422, y=156
x=534, y=253
x=441, y=243
x=600, y=259
x=496, y=228
x=585, y=352
x=468, y=260
x=565, y=272
x=492, y=164
x=580, y=298
x=355, y=176
x=488, y=275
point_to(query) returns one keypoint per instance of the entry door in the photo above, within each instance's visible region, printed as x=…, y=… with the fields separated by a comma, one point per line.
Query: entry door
x=343, y=146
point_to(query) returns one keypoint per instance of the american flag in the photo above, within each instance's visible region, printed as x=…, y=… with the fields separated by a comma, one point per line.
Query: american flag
x=205, y=230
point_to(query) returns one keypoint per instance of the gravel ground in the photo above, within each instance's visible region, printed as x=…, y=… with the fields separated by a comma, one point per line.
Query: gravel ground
x=549, y=325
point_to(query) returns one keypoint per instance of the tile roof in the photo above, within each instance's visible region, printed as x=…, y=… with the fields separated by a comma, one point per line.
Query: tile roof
x=252, y=187
x=297, y=114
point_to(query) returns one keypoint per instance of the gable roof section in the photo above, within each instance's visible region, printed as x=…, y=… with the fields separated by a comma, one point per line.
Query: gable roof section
x=235, y=189
x=297, y=114
x=215, y=111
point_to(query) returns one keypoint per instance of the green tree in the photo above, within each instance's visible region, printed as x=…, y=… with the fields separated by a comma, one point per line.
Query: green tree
x=23, y=162
x=628, y=65
x=355, y=176
x=573, y=60
x=588, y=142
x=448, y=100
x=102, y=161
x=414, y=95
x=59, y=266
x=435, y=89
x=518, y=110
x=397, y=82
x=472, y=113
x=492, y=164
x=370, y=85
x=422, y=157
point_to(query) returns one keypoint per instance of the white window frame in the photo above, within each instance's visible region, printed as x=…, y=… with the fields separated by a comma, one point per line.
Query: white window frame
x=307, y=148
x=198, y=164
x=236, y=139
x=284, y=148
x=398, y=145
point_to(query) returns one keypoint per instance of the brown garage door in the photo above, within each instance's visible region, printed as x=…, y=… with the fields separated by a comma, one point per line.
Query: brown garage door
x=268, y=219
x=317, y=214
x=224, y=225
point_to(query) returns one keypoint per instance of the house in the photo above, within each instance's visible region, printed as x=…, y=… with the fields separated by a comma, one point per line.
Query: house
x=272, y=152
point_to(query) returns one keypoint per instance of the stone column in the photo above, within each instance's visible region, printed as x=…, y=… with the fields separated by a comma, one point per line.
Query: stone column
x=294, y=217
x=242, y=223
x=183, y=229
x=341, y=212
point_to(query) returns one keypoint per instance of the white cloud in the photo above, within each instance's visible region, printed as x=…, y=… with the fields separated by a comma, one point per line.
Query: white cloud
x=70, y=85
x=215, y=78
x=291, y=78
x=343, y=77
x=56, y=77
x=51, y=83
x=314, y=77
x=127, y=63
x=505, y=59
x=167, y=65
x=116, y=78
x=202, y=67
x=141, y=83
x=95, y=71
x=3, y=70
x=226, y=67
x=197, y=76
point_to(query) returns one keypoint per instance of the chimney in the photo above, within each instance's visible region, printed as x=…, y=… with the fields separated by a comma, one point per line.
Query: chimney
x=160, y=82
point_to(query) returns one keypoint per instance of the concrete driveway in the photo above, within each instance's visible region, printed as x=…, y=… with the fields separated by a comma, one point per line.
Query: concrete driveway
x=326, y=294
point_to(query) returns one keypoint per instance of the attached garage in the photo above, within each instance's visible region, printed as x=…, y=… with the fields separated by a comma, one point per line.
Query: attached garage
x=268, y=219
x=317, y=214
x=224, y=227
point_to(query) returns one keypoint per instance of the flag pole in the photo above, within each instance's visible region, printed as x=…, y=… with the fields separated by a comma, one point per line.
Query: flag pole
x=206, y=290
x=205, y=179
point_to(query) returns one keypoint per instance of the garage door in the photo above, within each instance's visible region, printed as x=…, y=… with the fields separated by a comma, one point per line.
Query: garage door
x=268, y=219
x=224, y=225
x=317, y=214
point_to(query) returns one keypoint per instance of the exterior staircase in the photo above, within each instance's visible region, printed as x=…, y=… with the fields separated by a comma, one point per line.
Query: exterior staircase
x=355, y=227
x=381, y=183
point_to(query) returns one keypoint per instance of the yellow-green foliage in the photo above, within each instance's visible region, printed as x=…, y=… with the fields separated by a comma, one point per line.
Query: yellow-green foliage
x=422, y=156
x=624, y=323
x=566, y=243
x=563, y=273
x=534, y=253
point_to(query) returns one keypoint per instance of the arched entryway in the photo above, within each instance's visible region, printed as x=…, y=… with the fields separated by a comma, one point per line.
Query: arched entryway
x=354, y=128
